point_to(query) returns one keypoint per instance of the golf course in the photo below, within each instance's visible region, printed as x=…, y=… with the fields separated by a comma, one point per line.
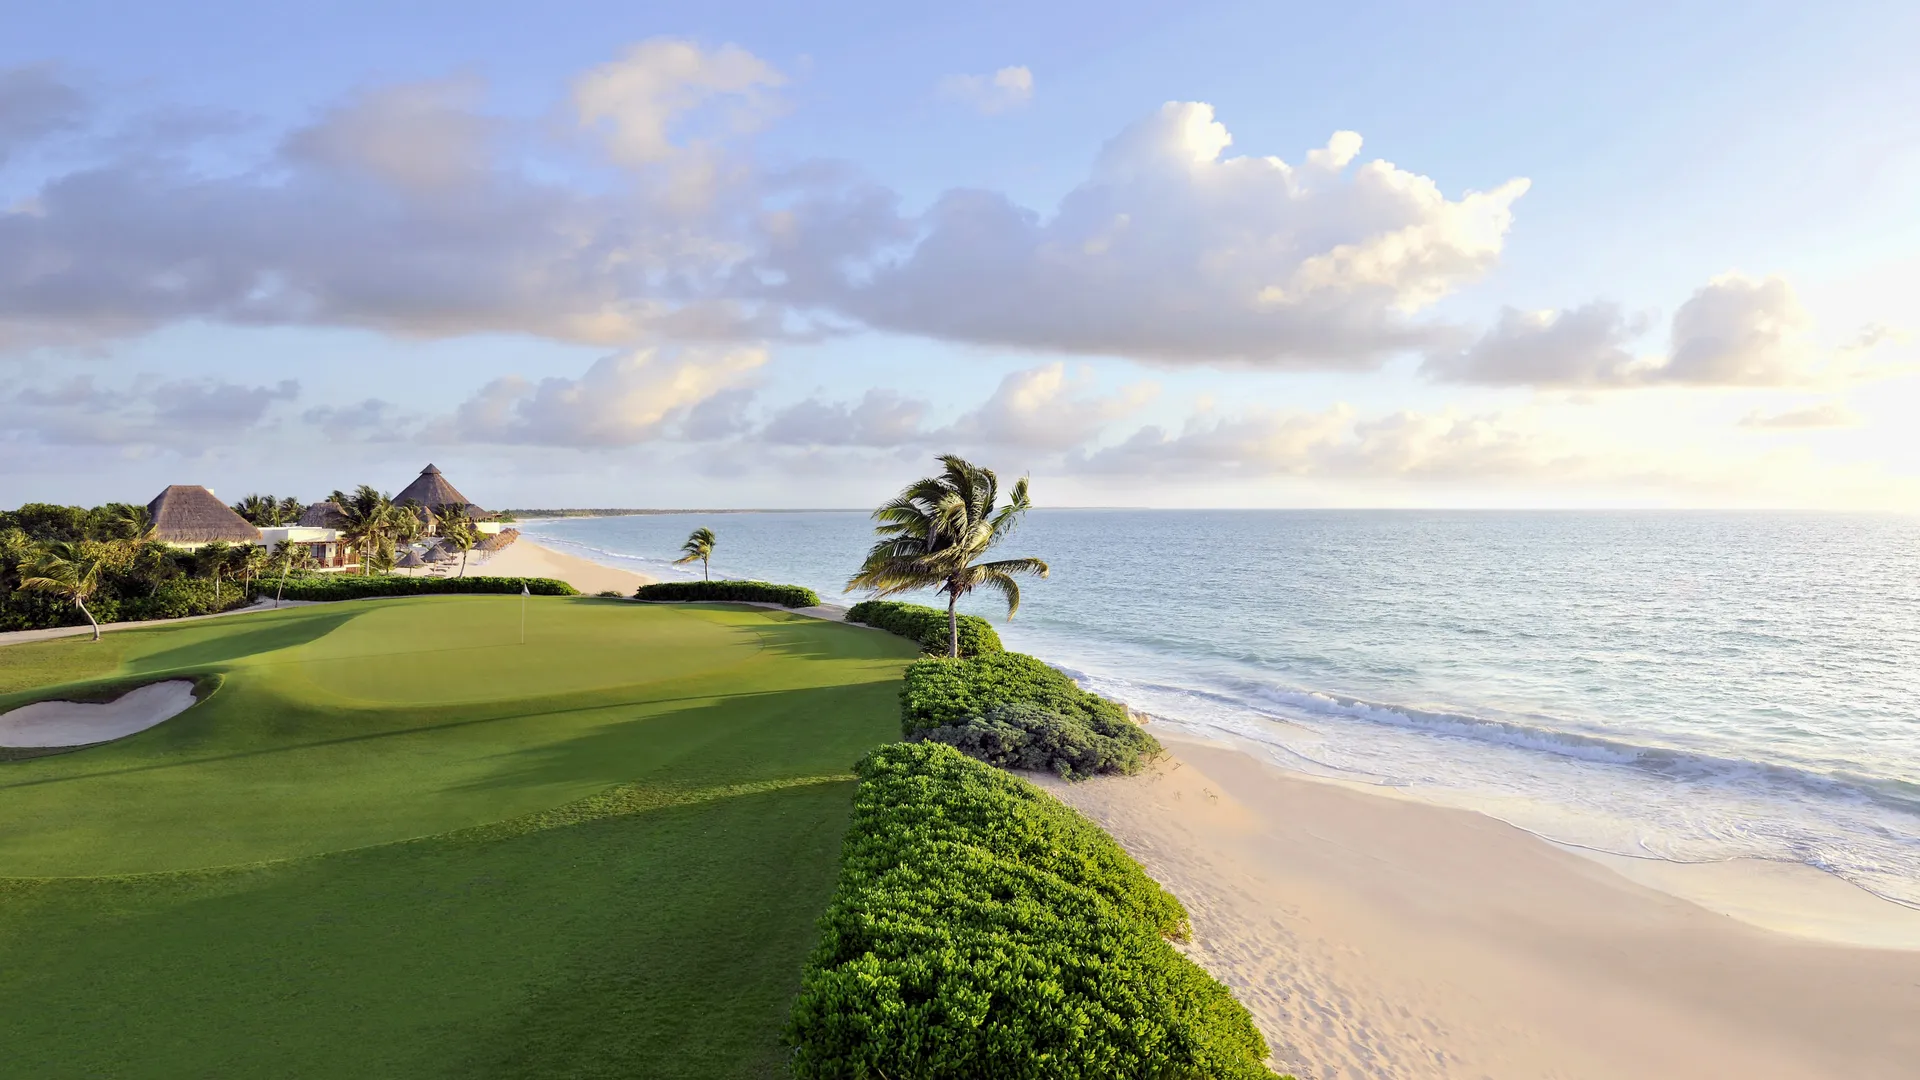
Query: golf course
x=394, y=840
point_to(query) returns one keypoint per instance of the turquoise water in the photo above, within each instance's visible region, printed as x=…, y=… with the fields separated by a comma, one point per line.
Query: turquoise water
x=1684, y=686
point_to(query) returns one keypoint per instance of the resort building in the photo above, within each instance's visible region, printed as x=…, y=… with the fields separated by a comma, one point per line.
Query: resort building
x=319, y=530
x=188, y=516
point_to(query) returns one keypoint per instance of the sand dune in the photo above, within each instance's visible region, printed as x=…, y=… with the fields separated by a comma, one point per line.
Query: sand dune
x=1379, y=938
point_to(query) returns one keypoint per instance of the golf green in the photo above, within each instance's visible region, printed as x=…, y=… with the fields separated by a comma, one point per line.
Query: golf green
x=396, y=841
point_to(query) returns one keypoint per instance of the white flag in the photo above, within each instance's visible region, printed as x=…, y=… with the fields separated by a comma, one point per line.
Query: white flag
x=523, y=589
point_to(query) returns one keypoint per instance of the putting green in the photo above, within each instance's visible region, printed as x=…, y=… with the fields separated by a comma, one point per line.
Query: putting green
x=395, y=841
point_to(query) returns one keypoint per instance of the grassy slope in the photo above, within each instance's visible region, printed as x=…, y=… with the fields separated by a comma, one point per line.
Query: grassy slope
x=656, y=932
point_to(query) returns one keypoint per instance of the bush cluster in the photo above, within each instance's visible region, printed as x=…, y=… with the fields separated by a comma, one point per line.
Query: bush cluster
x=982, y=928
x=1014, y=711
x=758, y=592
x=357, y=587
x=927, y=626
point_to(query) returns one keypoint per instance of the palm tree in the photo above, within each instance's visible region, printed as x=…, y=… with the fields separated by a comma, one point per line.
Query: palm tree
x=369, y=516
x=259, y=509
x=699, y=545
x=71, y=570
x=461, y=538
x=286, y=556
x=933, y=534
x=290, y=510
x=251, y=561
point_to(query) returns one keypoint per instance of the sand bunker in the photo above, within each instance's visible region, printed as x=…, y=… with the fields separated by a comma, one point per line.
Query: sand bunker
x=78, y=723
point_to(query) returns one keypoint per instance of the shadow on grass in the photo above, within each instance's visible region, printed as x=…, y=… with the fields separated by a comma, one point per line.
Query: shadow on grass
x=234, y=643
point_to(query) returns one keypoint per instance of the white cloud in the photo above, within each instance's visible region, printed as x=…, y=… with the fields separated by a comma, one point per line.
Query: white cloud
x=622, y=400
x=1046, y=408
x=35, y=103
x=407, y=210
x=1007, y=88
x=881, y=418
x=1734, y=331
x=1830, y=414
x=1173, y=253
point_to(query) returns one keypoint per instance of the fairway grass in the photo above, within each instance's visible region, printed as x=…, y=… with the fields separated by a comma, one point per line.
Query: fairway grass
x=395, y=842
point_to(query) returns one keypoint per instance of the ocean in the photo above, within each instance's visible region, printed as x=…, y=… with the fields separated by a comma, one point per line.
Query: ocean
x=1687, y=686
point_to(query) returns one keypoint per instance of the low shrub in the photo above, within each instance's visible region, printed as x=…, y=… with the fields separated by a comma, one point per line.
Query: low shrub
x=357, y=587
x=1015, y=736
x=982, y=928
x=927, y=626
x=1008, y=707
x=755, y=592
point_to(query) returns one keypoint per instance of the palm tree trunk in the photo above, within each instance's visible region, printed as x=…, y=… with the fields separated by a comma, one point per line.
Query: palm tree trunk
x=953, y=625
x=463, y=563
x=704, y=572
x=82, y=605
x=283, y=582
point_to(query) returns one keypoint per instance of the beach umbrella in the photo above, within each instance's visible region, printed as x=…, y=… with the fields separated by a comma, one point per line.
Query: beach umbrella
x=410, y=562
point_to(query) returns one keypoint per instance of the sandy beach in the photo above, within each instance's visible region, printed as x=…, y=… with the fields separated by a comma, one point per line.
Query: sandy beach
x=1374, y=937
x=524, y=558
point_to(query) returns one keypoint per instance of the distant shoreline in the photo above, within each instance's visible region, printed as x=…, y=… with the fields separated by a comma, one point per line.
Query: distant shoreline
x=613, y=512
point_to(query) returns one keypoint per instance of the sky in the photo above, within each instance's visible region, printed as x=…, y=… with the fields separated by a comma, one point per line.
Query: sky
x=743, y=254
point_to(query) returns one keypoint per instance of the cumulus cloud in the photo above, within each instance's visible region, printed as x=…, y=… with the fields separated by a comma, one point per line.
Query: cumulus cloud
x=34, y=103
x=1831, y=414
x=368, y=420
x=183, y=414
x=1007, y=88
x=1047, y=408
x=881, y=418
x=622, y=400
x=1170, y=252
x=402, y=210
x=1734, y=331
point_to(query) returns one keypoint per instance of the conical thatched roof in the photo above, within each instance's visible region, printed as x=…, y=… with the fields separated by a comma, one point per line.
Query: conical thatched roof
x=439, y=552
x=432, y=491
x=190, y=514
x=323, y=515
x=410, y=561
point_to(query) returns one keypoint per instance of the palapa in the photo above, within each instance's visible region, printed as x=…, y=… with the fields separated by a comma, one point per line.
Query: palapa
x=190, y=514
x=431, y=490
x=497, y=541
x=324, y=515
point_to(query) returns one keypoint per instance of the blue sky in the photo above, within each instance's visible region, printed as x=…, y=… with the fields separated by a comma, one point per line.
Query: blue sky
x=742, y=254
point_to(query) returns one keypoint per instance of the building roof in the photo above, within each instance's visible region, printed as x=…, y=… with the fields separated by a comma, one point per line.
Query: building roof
x=190, y=514
x=323, y=515
x=431, y=490
x=410, y=560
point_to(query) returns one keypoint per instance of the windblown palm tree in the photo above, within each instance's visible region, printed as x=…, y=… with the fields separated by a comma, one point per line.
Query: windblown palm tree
x=259, y=509
x=290, y=509
x=70, y=570
x=699, y=545
x=934, y=533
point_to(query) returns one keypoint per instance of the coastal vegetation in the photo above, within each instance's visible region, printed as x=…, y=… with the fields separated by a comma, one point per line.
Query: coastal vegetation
x=982, y=928
x=395, y=843
x=751, y=592
x=102, y=565
x=928, y=626
x=935, y=534
x=699, y=546
x=349, y=587
x=1012, y=710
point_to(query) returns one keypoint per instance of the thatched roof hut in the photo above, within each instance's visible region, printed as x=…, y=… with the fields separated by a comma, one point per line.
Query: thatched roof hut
x=190, y=514
x=323, y=515
x=431, y=490
x=410, y=561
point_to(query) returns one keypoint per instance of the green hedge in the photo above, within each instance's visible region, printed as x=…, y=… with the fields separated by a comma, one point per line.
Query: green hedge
x=756, y=592
x=181, y=597
x=980, y=928
x=356, y=587
x=1012, y=710
x=927, y=626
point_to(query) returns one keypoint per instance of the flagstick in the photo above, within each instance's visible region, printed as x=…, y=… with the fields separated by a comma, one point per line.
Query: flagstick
x=523, y=614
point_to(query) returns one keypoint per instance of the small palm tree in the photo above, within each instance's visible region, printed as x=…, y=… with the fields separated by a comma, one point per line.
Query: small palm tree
x=251, y=562
x=290, y=510
x=699, y=545
x=456, y=528
x=258, y=509
x=934, y=533
x=71, y=570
